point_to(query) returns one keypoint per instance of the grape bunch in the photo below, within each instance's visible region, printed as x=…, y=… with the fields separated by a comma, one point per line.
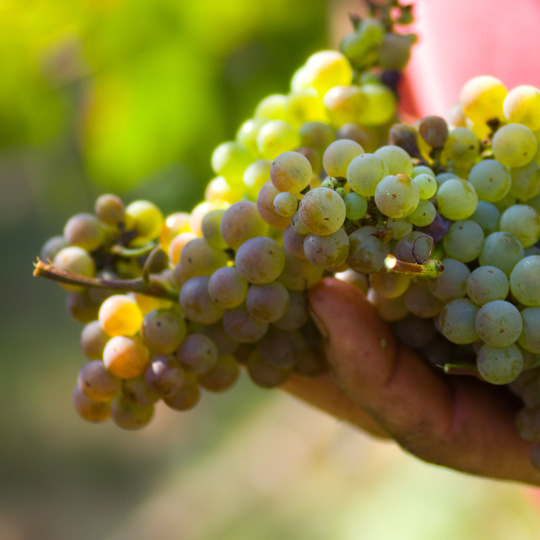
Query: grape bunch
x=438, y=223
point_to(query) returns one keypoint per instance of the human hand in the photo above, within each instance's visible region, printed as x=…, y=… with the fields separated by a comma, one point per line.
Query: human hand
x=386, y=389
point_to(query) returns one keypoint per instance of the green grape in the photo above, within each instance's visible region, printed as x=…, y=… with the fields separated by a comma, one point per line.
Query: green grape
x=322, y=211
x=227, y=287
x=396, y=159
x=525, y=181
x=260, y=260
x=326, y=69
x=196, y=302
x=51, y=247
x=443, y=177
x=434, y=130
x=93, y=340
x=317, y=135
x=267, y=303
x=498, y=323
x=399, y=227
x=164, y=376
x=88, y=409
x=240, y=222
x=211, y=229
x=365, y=136
x=272, y=107
x=126, y=357
x=285, y=204
x=187, y=397
x=420, y=301
x=222, y=376
x=422, y=169
x=344, y=104
x=487, y=283
x=110, y=210
x=197, y=354
x=329, y=183
x=84, y=231
x=120, y=315
x=452, y=283
x=457, y=321
x=230, y=160
x=97, y=383
x=499, y=365
x=296, y=314
x=394, y=51
x=414, y=331
x=482, y=99
x=299, y=274
x=145, y=219
x=74, y=260
x=355, y=206
x=218, y=190
x=522, y=106
x=423, y=215
x=523, y=222
x=490, y=179
x=530, y=335
x=81, y=307
x=127, y=414
x=365, y=172
x=264, y=374
x=366, y=252
x=338, y=155
x=381, y=105
x=389, y=284
x=487, y=216
x=524, y=282
x=457, y=199
x=293, y=243
x=256, y=175
x=462, y=146
x=297, y=225
x=388, y=309
x=198, y=258
x=427, y=185
x=397, y=196
x=464, y=241
x=514, y=145
x=505, y=203
x=501, y=250
x=276, y=137
x=327, y=251
x=163, y=330
x=265, y=207
x=247, y=134
x=291, y=171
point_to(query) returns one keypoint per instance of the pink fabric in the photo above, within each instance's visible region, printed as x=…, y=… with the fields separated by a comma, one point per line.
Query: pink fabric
x=459, y=39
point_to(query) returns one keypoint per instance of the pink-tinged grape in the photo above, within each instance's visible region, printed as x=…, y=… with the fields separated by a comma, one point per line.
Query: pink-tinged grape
x=388, y=309
x=523, y=222
x=97, y=382
x=365, y=136
x=280, y=348
x=514, y=145
x=146, y=219
x=242, y=327
x=225, y=344
x=434, y=130
x=285, y=204
x=462, y=146
x=187, y=396
x=198, y=258
x=457, y=199
x=457, y=321
x=498, y=323
x=487, y=283
x=452, y=283
x=126, y=357
x=163, y=330
x=501, y=250
x=490, y=179
x=487, y=216
x=322, y=211
x=364, y=172
x=530, y=335
x=397, y=160
x=120, y=315
x=276, y=137
x=268, y=302
x=264, y=374
x=164, y=376
x=293, y=243
x=110, y=209
x=230, y=160
x=366, y=251
x=51, y=247
x=524, y=281
x=211, y=229
x=420, y=301
x=482, y=99
x=265, y=207
x=298, y=275
x=499, y=365
x=464, y=240
x=296, y=313
x=93, y=340
x=291, y=171
x=241, y=222
x=260, y=260
x=81, y=307
x=127, y=414
x=344, y=104
x=198, y=353
x=177, y=244
x=84, y=231
x=222, y=376
x=423, y=215
x=74, y=260
x=338, y=156
x=227, y=287
x=137, y=390
x=317, y=135
x=327, y=251
x=397, y=196
x=88, y=409
x=197, y=214
x=196, y=302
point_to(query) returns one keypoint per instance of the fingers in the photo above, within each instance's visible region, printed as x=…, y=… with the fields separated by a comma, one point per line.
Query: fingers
x=453, y=421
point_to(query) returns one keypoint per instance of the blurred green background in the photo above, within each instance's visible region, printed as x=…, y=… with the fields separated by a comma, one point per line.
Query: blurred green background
x=131, y=97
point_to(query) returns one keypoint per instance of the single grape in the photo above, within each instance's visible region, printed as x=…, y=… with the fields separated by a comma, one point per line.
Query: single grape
x=285, y=204
x=317, y=135
x=464, y=240
x=501, y=250
x=211, y=229
x=365, y=172
x=327, y=251
x=296, y=313
x=260, y=260
x=198, y=258
x=276, y=137
x=530, y=336
x=366, y=252
x=326, y=69
x=242, y=327
x=137, y=390
x=461, y=147
x=322, y=211
x=388, y=309
x=230, y=160
x=227, y=287
x=338, y=156
x=298, y=275
x=93, y=340
x=280, y=348
x=499, y=365
x=264, y=374
x=523, y=222
x=420, y=301
x=51, y=247
x=265, y=207
x=84, y=231
x=97, y=383
x=427, y=185
x=344, y=104
x=490, y=179
x=196, y=302
x=397, y=196
x=164, y=376
x=414, y=248
x=522, y=106
x=268, y=302
x=110, y=210
x=498, y=323
x=222, y=376
x=452, y=283
x=272, y=107
x=145, y=219
x=487, y=283
x=524, y=282
x=293, y=243
x=457, y=199
x=355, y=206
x=514, y=145
x=525, y=181
x=389, y=284
x=381, y=104
x=255, y=176
x=482, y=99
x=241, y=222
x=128, y=414
x=187, y=396
x=291, y=171
x=487, y=216
x=163, y=330
x=457, y=321
x=74, y=260
x=126, y=357
x=81, y=307
x=88, y=409
x=397, y=160
x=434, y=130
x=423, y=215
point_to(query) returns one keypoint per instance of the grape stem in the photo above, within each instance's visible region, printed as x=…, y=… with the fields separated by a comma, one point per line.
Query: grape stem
x=429, y=268
x=461, y=369
x=150, y=287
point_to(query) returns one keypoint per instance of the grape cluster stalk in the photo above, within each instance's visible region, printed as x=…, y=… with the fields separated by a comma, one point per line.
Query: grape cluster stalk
x=438, y=223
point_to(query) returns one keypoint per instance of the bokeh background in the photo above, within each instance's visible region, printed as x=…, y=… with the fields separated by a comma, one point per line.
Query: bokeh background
x=131, y=96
